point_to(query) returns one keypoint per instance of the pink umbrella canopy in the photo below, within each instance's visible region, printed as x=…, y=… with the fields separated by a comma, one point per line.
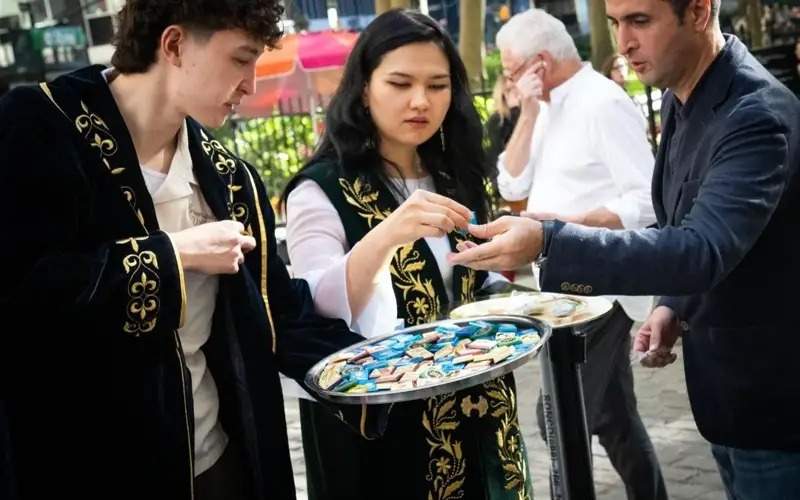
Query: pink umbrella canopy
x=302, y=73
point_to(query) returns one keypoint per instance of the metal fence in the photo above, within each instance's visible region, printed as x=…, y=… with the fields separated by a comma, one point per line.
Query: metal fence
x=280, y=144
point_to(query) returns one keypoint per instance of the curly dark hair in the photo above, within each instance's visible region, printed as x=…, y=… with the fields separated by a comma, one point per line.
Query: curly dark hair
x=141, y=23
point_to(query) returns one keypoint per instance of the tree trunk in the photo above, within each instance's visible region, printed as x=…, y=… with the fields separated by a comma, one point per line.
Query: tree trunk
x=602, y=47
x=754, y=12
x=470, y=39
x=382, y=6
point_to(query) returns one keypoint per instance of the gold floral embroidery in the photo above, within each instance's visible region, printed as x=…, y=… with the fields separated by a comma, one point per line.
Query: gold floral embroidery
x=406, y=268
x=225, y=165
x=144, y=285
x=503, y=402
x=423, y=304
x=363, y=198
x=468, y=286
x=447, y=466
x=94, y=129
x=467, y=291
x=467, y=406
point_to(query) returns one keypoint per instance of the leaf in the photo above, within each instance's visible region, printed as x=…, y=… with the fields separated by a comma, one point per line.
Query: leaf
x=405, y=250
x=357, y=185
x=117, y=171
x=414, y=267
x=512, y=468
x=446, y=407
x=447, y=426
x=85, y=109
x=452, y=488
x=426, y=423
x=236, y=188
x=496, y=395
x=499, y=412
x=352, y=201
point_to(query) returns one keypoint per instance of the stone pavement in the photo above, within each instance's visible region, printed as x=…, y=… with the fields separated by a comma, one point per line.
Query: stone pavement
x=685, y=457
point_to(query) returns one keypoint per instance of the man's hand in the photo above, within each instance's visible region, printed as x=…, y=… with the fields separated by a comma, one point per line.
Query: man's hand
x=657, y=336
x=599, y=217
x=515, y=241
x=575, y=219
x=423, y=214
x=213, y=248
x=530, y=89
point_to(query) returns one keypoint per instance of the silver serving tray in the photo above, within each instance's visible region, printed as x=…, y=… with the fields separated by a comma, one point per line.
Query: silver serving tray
x=447, y=385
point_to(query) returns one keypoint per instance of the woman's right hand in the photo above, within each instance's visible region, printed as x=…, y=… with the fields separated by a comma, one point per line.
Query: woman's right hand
x=424, y=214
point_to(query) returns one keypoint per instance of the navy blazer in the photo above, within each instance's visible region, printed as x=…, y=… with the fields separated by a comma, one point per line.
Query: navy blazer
x=725, y=255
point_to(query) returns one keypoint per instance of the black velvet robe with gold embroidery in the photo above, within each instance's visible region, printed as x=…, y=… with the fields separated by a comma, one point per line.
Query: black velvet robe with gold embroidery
x=95, y=398
x=465, y=445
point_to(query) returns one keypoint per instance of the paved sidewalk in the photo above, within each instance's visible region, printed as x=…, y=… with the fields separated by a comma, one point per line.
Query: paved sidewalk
x=685, y=457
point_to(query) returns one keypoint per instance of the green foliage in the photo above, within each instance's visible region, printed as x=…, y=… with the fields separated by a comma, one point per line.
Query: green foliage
x=493, y=68
x=583, y=43
x=276, y=146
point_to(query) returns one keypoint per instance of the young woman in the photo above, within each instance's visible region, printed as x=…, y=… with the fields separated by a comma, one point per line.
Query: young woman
x=501, y=123
x=371, y=220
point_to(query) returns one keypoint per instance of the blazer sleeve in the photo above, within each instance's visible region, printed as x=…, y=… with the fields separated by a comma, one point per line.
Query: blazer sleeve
x=734, y=203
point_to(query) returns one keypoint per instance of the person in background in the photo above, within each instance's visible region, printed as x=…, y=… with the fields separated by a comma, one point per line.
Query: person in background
x=615, y=68
x=370, y=222
x=723, y=258
x=579, y=152
x=500, y=124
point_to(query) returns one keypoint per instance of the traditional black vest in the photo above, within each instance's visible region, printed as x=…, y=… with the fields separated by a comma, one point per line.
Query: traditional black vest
x=364, y=201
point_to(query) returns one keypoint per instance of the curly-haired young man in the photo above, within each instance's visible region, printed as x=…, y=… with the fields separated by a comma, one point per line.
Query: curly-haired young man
x=146, y=313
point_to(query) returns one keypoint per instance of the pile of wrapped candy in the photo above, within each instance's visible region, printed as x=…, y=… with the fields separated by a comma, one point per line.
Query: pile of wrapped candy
x=406, y=361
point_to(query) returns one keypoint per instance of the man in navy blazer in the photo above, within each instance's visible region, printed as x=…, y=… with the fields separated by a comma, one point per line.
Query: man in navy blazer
x=726, y=190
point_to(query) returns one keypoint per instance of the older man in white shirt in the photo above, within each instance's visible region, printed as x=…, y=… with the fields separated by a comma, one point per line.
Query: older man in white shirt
x=580, y=153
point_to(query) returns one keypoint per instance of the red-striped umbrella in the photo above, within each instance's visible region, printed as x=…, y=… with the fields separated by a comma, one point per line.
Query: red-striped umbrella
x=304, y=71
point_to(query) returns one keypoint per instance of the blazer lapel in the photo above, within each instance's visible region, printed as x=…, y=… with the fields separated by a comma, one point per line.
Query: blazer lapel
x=712, y=89
x=657, y=192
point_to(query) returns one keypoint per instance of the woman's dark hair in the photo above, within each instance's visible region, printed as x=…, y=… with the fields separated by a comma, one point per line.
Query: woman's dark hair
x=608, y=64
x=351, y=138
x=141, y=23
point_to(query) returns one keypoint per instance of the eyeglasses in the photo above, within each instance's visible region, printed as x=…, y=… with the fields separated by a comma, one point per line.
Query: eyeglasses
x=512, y=74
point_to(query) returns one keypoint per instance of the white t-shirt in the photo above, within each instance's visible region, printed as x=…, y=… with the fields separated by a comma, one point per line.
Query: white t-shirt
x=179, y=205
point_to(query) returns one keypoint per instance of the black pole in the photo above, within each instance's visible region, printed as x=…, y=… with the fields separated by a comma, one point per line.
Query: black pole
x=565, y=416
x=651, y=118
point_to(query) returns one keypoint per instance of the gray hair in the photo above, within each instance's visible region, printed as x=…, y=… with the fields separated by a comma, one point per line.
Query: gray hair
x=533, y=31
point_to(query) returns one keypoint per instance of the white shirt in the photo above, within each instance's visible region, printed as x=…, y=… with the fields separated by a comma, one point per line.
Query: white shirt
x=319, y=251
x=179, y=205
x=589, y=149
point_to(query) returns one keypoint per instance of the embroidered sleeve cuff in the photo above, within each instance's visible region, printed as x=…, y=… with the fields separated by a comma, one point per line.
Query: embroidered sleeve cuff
x=153, y=286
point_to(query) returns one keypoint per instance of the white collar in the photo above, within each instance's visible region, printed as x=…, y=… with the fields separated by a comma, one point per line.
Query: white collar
x=558, y=94
x=180, y=176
